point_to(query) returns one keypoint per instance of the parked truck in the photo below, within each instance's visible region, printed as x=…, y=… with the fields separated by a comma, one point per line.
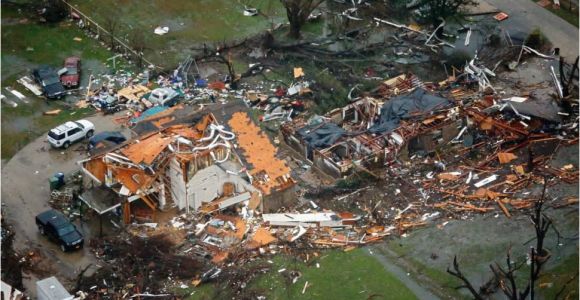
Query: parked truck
x=59, y=229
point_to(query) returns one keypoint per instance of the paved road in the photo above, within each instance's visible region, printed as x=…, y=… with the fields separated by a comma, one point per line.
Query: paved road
x=25, y=193
x=525, y=15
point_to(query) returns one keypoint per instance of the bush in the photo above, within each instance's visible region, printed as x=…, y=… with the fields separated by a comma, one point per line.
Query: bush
x=55, y=11
x=330, y=93
x=349, y=183
x=537, y=40
x=458, y=58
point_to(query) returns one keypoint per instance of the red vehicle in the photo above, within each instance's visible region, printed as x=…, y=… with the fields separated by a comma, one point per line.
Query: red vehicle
x=73, y=74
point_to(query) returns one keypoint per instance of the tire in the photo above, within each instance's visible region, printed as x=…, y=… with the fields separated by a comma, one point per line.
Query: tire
x=41, y=230
x=89, y=134
x=63, y=248
x=66, y=145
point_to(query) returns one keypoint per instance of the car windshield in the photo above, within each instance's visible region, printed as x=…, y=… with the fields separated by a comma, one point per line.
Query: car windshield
x=65, y=230
x=80, y=125
x=55, y=136
x=50, y=80
x=71, y=71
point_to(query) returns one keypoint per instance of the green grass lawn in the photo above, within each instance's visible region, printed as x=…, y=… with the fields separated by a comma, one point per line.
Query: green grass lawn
x=564, y=13
x=569, y=16
x=25, y=46
x=190, y=23
x=48, y=44
x=554, y=280
x=446, y=283
x=342, y=275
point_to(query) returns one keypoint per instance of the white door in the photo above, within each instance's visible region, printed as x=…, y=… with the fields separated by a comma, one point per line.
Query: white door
x=75, y=134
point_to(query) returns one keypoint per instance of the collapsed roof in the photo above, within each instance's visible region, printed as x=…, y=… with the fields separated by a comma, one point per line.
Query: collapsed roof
x=416, y=103
x=190, y=159
x=321, y=135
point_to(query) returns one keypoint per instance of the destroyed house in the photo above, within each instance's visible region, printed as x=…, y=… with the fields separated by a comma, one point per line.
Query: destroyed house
x=370, y=132
x=189, y=162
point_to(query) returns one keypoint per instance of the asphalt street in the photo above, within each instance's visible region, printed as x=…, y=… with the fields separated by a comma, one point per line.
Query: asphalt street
x=526, y=15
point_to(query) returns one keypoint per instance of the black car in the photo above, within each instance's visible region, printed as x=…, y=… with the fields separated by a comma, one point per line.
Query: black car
x=58, y=228
x=106, y=139
x=48, y=79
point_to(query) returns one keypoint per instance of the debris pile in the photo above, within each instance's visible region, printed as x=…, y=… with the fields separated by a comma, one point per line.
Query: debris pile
x=435, y=150
x=136, y=266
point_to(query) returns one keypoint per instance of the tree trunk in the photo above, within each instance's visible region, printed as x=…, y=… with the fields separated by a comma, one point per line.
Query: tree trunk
x=294, y=30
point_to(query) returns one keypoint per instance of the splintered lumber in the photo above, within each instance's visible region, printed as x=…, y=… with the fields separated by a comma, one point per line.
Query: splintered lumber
x=349, y=248
x=329, y=243
x=506, y=157
x=483, y=193
x=568, y=201
x=447, y=176
x=504, y=209
x=52, y=112
x=452, y=193
x=519, y=204
x=466, y=206
x=566, y=176
x=407, y=225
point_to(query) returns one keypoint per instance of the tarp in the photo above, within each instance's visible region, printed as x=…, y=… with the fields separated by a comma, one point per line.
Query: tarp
x=321, y=136
x=148, y=113
x=404, y=106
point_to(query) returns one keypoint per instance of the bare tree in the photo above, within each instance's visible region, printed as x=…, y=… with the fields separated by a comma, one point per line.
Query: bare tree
x=111, y=24
x=505, y=277
x=138, y=44
x=466, y=283
x=219, y=57
x=298, y=12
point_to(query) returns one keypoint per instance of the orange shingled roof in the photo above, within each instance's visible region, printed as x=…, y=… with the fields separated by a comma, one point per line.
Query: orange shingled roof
x=263, y=237
x=132, y=179
x=161, y=121
x=97, y=167
x=238, y=222
x=186, y=131
x=146, y=150
x=258, y=151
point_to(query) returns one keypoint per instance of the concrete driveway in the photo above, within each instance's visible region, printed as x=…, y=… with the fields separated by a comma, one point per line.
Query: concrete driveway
x=525, y=15
x=25, y=193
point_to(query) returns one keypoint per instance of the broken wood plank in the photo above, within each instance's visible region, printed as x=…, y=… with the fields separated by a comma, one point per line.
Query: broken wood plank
x=504, y=209
x=506, y=157
x=52, y=112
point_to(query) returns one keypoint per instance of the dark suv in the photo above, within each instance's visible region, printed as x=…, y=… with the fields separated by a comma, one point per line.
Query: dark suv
x=58, y=228
x=48, y=79
x=106, y=139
